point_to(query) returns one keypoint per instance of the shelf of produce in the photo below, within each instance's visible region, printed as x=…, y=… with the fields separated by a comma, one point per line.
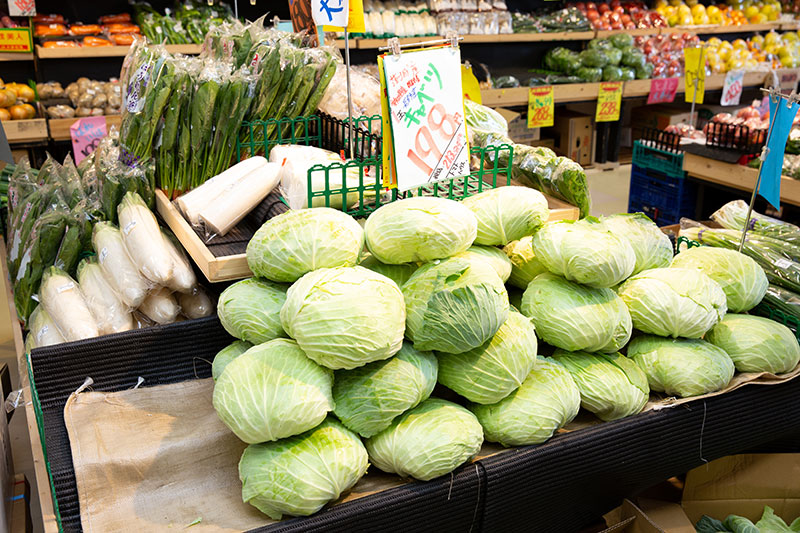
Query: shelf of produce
x=188, y=49
x=59, y=127
x=735, y=176
x=16, y=56
x=712, y=28
x=85, y=52
x=25, y=131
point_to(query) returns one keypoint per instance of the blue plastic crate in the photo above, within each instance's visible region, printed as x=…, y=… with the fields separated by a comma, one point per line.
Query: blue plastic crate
x=664, y=161
x=663, y=198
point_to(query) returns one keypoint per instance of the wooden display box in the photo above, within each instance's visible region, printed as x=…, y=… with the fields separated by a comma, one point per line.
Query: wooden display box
x=59, y=127
x=22, y=131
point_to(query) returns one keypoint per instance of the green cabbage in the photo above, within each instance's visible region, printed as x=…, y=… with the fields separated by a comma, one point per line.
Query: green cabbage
x=428, y=441
x=250, y=310
x=273, y=391
x=419, y=229
x=368, y=398
x=546, y=401
x=345, y=317
x=673, y=302
x=575, y=317
x=226, y=355
x=756, y=344
x=681, y=367
x=397, y=273
x=494, y=257
x=490, y=372
x=584, y=251
x=299, y=475
x=524, y=265
x=454, y=305
x=740, y=277
x=299, y=241
x=612, y=386
x=651, y=246
x=506, y=214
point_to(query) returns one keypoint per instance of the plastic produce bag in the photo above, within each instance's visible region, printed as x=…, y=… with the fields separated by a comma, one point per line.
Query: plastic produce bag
x=120, y=270
x=103, y=301
x=143, y=239
x=183, y=278
x=42, y=330
x=61, y=297
x=196, y=304
x=160, y=306
x=365, y=95
x=733, y=215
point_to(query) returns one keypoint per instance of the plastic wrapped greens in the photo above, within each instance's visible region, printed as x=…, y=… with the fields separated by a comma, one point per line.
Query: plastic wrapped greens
x=733, y=215
x=784, y=300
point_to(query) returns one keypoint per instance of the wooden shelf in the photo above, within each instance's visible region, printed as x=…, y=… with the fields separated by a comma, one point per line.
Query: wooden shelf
x=25, y=131
x=16, y=56
x=59, y=127
x=84, y=52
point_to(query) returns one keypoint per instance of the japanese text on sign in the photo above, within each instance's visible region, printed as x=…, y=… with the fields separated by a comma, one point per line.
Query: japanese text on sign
x=662, y=90
x=609, y=101
x=86, y=133
x=330, y=12
x=355, y=18
x=732, y=89
x=427, y=116
x=15, y=40
x=541, y=107
x=21, y=8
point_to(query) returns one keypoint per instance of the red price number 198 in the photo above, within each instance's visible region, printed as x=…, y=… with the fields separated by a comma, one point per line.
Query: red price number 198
x=425, y=146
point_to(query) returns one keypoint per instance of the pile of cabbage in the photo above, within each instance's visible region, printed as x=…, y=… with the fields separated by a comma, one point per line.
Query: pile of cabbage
x=406, y=342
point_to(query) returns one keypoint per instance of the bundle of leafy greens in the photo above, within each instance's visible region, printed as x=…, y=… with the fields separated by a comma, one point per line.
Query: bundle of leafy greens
x=734, y=214
x=769, y=523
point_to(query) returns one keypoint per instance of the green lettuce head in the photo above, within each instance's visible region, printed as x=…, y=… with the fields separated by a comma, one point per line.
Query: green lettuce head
x=250, y=310
x=454, y=305
x=651, y=246
x=494, y=257
x=612, y=386
x=421, y=228
x=576, y=317
x=584, y=251
x=756, y=344
x=742, y=280
x=507, y=214
x=226, y=355
x=368, y=398
x=273, y=391
x=397, y=273
x=299, y=475
x=345, y=317
x=524, y=265
x=430, y=440
x=681, y=367
x=546, y=401
x=492, y=371
x=299, y=241
x=673, y=302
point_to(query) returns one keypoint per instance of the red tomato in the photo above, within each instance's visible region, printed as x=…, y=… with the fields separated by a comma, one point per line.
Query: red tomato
x=592, y=15
x=602, y=8
x=581, y=6
x=590, y=6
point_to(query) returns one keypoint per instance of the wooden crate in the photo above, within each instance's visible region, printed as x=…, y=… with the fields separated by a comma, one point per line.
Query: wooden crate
x=25, y=131
x=59, y=127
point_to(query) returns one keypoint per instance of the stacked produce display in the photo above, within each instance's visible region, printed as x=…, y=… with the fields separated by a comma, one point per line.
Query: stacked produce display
x=84, y=97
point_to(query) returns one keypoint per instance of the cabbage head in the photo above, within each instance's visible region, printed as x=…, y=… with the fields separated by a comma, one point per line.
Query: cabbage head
x=651, y=246
x=368, y=398
x=546, y=401
x=584, y=251
x=681, y=367
x=673, y=302
x=492, y=371
x=494, y=257
x=430, y=440
x=345, y=317
x=576, y=317
x=612, y=386
x=397, y=273
x=273, y=391
x=742, y=280
x=299, y=241
x=524, y=265
x=226, y=355
x=756, y=344
x=507, y=214
x=250, y=310
x=299, y=475
x=421, y=228
x=454, y=305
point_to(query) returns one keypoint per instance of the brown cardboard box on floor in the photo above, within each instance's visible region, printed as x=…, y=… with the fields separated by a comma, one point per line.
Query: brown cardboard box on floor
x=573, y=132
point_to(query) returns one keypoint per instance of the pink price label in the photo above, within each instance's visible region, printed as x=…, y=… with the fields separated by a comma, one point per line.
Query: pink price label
x=662, y=91
x=86, y=134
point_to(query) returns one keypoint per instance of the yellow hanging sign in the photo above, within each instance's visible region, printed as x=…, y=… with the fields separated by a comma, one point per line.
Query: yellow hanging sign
x=609, y=101
x=541, y=107
x=695, y=69
x=355, y=18
x=470, y=85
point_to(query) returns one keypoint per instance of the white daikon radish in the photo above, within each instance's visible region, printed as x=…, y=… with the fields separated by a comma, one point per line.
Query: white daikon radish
x=143, y=239
x=43, y=331
x=62, y=299
x=196, y=304
x=194, y=201
x=117, y=265
x=183, y=278
x=106, y=306
x=239, y=198
x=160, y=306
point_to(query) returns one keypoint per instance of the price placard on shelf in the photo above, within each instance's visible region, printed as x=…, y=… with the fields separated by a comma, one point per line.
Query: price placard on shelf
x=732, y=88
x=662, y=90
x=426, y=113
x=609, y=101
x=15, y=40
x=788, y=78
x=86, y=133
x=541, y=107
x=22, y=8
x=695, y=71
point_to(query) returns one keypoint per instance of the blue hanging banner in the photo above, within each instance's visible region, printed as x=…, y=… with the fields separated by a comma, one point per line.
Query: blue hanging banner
x=781, y=117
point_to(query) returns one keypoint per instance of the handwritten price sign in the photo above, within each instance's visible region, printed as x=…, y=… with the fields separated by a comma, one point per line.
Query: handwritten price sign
x=732, y=89
x=22, y=8
x=662, y=91
x=695, y=71
x=541, y=107
x=609, y=101
x=86, y=133
x=426, y=111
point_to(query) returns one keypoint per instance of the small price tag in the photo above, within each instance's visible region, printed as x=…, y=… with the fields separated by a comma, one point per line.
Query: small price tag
x=609, y=101
x=662, y=90
x=330, y=12
x=695, y=71
x=21, y=8
x=788, y=78
x=732, y=89
x=86, y=134
x=541, y=107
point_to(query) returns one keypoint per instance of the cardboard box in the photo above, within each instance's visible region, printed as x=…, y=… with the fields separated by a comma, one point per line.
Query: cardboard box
x=659, y=117
x=573, y=134
x=518, y=129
